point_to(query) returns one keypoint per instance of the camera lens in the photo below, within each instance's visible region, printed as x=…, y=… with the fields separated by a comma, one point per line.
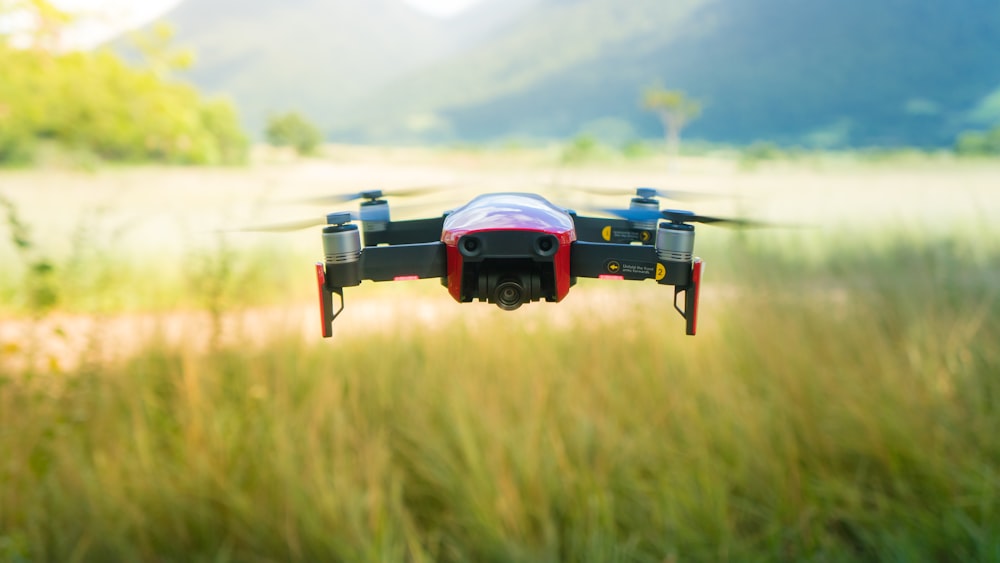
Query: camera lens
x=509, y=295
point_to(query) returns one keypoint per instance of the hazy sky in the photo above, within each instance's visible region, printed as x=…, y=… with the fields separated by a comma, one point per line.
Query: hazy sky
x=117, y=15
x=129, y=9
x=442, y=7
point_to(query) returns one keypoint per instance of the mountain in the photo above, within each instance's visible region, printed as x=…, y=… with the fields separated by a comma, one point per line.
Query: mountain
x=547, y=70
x=314, y=56
x=822, y=73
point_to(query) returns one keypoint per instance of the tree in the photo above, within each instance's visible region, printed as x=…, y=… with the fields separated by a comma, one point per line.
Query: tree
x=158, y=51
x=979, y=143
x=675, y=110
x=293, y=130
x=45, y=27
x=94, y=101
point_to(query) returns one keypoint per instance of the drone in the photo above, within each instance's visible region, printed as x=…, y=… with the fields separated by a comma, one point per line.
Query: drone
x=512, y=248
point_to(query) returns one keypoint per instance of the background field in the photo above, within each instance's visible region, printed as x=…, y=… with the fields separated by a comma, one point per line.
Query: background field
x=164, y=393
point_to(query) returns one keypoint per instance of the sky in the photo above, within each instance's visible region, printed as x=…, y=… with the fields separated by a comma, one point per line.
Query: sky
x=114, y=16
x=152, y=8
x=441, y=8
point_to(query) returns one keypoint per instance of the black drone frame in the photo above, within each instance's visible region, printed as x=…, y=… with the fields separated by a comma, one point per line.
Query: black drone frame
x=605, y=248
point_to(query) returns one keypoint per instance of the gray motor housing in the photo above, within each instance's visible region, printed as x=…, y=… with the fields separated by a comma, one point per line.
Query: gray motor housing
x=342, y=250
x=675, y=250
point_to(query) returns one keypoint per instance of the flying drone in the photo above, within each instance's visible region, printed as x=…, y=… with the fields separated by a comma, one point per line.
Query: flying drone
x=511, y=249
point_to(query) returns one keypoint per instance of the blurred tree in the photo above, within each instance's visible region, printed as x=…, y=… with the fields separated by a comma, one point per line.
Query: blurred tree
x=979, y=143
x=292, y=130
x=97, y=103
x=17, y=141
x=158, y=51
x=584, y=148
x=675, y=110
x=44, y=24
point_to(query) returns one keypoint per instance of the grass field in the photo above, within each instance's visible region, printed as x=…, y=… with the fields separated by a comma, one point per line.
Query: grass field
x=171, y=400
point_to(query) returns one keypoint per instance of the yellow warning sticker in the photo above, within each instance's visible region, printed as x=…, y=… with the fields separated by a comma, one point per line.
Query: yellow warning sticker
x=661, y=271
x=606, y=233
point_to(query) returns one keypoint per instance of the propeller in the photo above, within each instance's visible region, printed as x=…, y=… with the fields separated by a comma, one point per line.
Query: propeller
x=646, y=192
x=681, y=216
x=338, y=218
x=369, y=195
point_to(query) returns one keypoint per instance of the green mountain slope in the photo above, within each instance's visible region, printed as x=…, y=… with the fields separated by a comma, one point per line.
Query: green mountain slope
x=316, y=56
x=523, y=63
x=822, y=72
x=828, y=73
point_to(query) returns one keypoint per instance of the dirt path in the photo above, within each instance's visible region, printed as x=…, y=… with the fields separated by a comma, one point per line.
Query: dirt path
x=62, y=342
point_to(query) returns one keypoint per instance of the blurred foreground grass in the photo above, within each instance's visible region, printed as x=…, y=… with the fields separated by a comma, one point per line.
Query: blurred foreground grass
x=841, y=403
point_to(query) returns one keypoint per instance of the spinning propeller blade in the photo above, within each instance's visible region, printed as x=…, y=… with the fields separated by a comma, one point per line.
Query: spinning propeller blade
x=370, y=194
x=681, y=216
x=300, y=224
x=646, y=192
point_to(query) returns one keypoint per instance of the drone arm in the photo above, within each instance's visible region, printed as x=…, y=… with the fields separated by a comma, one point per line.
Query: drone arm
x=611, y=260
x=618, y=231
x=377, y=263
x=634, y=262
x=404, y=261
x=406, y=232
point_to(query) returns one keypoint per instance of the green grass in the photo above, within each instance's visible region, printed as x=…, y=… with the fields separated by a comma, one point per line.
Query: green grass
x=99, y=277
x=840, y=404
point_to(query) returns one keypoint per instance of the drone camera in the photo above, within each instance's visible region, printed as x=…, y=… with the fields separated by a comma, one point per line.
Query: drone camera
x=508, y=268
x=512, y=283
x=509, y=295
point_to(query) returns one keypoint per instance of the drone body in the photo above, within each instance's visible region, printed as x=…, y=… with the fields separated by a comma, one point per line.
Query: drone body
x=510, y=249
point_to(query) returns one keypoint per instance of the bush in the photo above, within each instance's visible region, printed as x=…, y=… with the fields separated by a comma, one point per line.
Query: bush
x=292, y=130
x=979, y=143
x=581, y=149
x=636, y=149
x=762, y=150
x=17, y=144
